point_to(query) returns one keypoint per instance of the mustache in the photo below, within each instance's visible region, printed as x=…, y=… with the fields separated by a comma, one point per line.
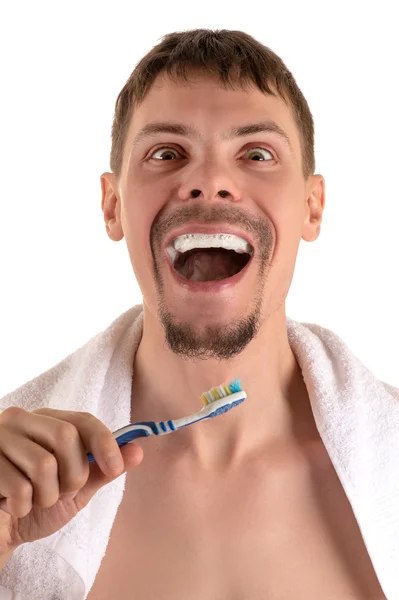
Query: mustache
x=214, y=215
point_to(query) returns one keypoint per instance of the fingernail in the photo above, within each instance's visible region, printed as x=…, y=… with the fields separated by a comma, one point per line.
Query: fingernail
x=114, y=461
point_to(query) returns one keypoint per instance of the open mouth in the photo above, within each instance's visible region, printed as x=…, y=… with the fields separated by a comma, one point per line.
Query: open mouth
x=210, y=264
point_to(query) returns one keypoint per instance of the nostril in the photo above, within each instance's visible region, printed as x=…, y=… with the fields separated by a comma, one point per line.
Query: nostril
x=195, y=193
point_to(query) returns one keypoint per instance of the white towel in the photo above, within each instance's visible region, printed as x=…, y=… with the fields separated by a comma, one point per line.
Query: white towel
x=357, y=417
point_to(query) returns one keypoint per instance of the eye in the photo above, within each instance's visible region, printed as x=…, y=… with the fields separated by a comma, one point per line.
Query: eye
x=166, y=153
x=256, y=153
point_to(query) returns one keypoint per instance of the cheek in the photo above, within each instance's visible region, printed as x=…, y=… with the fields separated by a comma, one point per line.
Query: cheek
x=141, y=207
x=280, y=204
x=280, y=197
x=136, y=228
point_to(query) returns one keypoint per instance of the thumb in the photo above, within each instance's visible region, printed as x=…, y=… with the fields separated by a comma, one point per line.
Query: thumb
x=132, y=455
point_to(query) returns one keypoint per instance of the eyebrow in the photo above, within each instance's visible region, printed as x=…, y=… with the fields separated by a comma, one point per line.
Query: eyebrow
x=152, y=129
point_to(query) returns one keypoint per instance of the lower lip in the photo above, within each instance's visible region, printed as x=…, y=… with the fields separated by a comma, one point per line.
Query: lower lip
x=209, y=286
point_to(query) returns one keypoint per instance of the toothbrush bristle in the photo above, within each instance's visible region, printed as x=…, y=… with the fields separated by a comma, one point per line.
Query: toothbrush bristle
x=216, y=393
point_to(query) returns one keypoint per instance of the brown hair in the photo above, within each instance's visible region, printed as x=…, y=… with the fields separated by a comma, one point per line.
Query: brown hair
x=235, y=57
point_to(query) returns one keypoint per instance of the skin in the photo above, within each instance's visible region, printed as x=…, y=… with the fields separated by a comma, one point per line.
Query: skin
x=193, y=342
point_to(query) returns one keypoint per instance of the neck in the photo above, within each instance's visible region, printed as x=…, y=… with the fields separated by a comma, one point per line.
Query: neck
x=276, y=409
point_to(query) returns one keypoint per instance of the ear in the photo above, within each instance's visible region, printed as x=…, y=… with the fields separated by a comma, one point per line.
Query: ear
x=315, y=203
x=111, y=206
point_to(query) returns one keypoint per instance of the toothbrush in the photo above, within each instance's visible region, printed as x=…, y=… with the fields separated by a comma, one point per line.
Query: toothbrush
x=217, y=401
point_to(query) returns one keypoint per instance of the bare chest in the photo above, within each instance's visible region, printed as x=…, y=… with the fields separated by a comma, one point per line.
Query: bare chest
x=289, y=533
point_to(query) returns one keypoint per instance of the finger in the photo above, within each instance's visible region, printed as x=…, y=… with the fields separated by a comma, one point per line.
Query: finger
x=96, y=438
x=15, y=489
x=132, y=455
x=36, y=466
x=62, y=440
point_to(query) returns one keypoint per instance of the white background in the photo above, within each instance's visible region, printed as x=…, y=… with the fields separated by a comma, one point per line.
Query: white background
x=62, y=66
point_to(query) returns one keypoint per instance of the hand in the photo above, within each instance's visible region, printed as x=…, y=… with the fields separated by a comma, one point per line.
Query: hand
x=45, y=476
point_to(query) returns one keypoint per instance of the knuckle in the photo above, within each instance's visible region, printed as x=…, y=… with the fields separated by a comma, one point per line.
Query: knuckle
x=95, y=424
x=66, y=433
x=23, y=491
x=20, y=513
x=11, y=412
x=89, y=416
x=45, y=464
x=100, y=430
x=46, y=502
x=79, y=481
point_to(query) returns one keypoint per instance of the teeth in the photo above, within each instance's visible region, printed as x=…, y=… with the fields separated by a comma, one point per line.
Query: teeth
x=188, y=241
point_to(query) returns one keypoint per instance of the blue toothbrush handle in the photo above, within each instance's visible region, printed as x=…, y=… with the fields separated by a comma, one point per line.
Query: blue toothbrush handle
x=124, y=438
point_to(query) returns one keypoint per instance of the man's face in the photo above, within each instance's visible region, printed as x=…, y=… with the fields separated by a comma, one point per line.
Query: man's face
x=264, y=198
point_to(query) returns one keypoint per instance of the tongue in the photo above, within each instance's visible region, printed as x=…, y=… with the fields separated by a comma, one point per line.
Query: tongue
x=203, y=265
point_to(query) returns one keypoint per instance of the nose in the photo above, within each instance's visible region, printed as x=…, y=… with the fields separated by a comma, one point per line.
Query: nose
x=222, y=193
x=210, y=183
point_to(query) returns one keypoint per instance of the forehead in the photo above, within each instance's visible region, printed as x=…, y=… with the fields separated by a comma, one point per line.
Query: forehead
x=204, y=102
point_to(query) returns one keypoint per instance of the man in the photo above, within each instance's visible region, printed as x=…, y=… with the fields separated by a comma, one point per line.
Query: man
x=212, y=136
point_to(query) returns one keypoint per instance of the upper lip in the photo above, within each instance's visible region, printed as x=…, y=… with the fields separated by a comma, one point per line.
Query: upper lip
x=201, y=228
